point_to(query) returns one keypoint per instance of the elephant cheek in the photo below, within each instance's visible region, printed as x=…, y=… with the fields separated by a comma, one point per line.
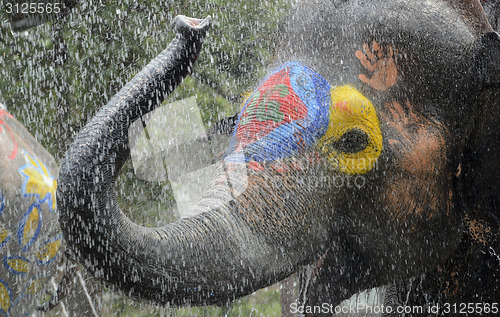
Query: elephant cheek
x=421, y=180
x=287, y=201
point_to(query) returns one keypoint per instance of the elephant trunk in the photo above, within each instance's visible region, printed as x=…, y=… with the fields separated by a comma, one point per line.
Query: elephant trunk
x=211, y=258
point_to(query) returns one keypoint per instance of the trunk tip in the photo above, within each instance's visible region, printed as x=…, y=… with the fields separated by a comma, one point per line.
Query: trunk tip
x=183, y=24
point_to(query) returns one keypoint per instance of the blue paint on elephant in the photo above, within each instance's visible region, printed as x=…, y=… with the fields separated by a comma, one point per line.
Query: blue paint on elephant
x=4, y=235
x=6, y=299
x=286, y=114
x=32, y=287
x=2, y=203
x=50, y=256
x=30, y=225
x=5, y=241
x=38, y=183
x=17, y=269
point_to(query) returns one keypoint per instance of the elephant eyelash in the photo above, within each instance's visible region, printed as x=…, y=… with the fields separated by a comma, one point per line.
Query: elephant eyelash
x=352, y=141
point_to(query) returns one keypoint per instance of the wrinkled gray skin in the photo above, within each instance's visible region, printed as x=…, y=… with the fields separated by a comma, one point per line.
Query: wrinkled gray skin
x=404, y=221
x=492, y=9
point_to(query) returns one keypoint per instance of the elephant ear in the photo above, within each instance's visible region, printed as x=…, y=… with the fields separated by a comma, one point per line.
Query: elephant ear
x=474, y=15
x=480, y=187
x=487, y=60
x=480, y=184
x=492, y=9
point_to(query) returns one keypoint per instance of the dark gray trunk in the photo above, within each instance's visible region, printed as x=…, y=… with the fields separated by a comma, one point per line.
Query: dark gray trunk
x=209, y=259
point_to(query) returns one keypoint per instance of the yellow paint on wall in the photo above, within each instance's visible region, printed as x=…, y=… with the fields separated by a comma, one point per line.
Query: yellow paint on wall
x=349, y=109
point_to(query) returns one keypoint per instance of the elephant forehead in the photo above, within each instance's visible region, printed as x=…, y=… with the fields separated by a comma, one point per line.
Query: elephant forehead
x=288, y=112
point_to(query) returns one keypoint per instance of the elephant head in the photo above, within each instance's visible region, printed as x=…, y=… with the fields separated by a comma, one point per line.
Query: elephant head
x=352, y=146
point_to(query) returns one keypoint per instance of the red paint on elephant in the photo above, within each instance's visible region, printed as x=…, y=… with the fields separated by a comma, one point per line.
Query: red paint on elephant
x=3, y=125
x=273, y=104
x=256, y=166
x=280, y=167
x=381, y=65
x=343, y=107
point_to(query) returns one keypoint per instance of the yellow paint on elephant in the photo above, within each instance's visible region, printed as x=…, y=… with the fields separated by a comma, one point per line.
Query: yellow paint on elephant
x=39, y=181
x=4, y=235
x=36, y=285
x=350, y=110
x=31, y=226
x=18, y=265
x=48, y=251
x=5, y=300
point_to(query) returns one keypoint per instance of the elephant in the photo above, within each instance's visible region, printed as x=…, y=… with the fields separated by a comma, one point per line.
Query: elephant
x=35, y=274
x=31, y=242
x=366, y=153
x=492, y=10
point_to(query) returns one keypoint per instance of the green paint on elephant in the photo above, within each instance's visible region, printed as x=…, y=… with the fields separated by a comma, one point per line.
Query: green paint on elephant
x=265, y=106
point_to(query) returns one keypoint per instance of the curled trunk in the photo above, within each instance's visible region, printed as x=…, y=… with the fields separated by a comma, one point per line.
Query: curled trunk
x=208, y=259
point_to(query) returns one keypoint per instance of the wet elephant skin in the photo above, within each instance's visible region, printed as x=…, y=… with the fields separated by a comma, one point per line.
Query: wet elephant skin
x=31, y=246
x=387, y=95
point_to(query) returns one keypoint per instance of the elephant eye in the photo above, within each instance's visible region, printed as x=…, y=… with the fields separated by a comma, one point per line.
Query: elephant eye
x=352, y=141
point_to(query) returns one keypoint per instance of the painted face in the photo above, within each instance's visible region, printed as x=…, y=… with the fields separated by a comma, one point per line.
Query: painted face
x=284, y=115
x=353, y=141
x=295, y=109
